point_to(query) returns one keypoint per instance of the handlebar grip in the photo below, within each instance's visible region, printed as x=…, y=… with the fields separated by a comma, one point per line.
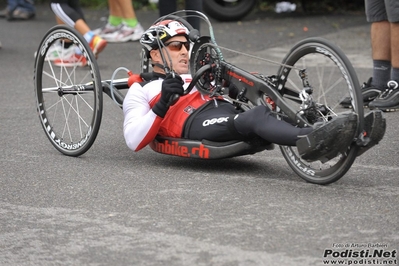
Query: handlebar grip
x=173, y=99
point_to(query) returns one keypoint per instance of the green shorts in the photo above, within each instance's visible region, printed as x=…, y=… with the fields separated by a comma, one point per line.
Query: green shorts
x=380, y=10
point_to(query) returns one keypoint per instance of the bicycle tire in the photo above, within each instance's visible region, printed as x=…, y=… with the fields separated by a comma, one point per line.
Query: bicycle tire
x=319, y=57
x=71, y=119
x=228, y=10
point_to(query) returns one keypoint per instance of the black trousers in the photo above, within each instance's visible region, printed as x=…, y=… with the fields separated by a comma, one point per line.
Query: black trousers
x=224, y=123
x=68, y=8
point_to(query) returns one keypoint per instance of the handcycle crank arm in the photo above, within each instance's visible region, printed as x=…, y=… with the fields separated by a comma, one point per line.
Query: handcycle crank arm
x=256, y=87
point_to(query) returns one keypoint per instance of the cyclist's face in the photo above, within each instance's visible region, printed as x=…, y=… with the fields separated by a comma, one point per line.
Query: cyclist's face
x=179, y=55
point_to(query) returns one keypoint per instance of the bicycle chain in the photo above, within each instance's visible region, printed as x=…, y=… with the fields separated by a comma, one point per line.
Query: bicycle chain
x=253, y=56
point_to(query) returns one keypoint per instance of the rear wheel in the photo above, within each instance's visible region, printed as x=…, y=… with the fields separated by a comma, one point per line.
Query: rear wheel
x=332, y=77
x=68, y=90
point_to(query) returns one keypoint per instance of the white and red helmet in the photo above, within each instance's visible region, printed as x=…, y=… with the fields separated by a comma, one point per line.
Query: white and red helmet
x=162, y=32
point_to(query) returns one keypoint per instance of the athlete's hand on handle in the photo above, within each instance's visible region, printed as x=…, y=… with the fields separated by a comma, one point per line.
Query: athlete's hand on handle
x=172, y=88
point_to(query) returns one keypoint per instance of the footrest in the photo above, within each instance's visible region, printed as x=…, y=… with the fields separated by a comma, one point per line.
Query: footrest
x=331, y=138
x=374, y=131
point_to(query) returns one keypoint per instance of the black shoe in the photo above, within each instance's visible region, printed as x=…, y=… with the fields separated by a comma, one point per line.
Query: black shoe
x=388, y=101
x=326, y=141
x=374, y=131
x=369, y=93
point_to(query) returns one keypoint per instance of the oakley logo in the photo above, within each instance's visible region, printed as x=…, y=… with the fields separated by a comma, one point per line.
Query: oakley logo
x=214, y=121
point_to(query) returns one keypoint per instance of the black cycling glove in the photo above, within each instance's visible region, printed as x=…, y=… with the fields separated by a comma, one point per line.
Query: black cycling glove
x=172, y=88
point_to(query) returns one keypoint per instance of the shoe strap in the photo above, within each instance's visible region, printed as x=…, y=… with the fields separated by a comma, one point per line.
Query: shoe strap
x=393, y=85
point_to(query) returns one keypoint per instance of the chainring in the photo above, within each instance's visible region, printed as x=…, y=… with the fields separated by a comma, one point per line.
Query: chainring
x=205, y=53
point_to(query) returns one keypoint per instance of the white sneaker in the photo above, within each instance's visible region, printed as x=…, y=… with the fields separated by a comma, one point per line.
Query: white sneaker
x=126, y=34
x=106, y=30
x=73, y=60
x=57, y=51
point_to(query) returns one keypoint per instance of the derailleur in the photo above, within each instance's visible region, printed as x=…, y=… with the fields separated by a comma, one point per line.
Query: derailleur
x=312, y=111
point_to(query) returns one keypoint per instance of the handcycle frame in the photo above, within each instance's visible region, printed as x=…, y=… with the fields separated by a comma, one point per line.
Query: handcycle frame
x=255, y=89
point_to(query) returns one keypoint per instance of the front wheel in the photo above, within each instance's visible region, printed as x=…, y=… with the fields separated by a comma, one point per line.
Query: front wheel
x=68, y=90
x=332, y=78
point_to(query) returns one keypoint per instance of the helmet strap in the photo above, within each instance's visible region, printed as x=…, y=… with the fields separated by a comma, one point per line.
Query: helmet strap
x=159, y=65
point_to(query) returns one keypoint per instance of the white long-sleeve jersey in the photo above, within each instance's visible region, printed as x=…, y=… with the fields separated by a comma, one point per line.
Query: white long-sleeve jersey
x=142, y=125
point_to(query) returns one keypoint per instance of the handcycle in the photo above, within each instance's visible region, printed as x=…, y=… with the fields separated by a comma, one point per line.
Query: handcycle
x=311, y=81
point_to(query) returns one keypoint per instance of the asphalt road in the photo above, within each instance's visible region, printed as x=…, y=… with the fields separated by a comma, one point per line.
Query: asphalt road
x=115, y=207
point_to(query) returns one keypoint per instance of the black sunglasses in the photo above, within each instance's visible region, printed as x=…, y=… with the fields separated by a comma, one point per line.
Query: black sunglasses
x=176, y=45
